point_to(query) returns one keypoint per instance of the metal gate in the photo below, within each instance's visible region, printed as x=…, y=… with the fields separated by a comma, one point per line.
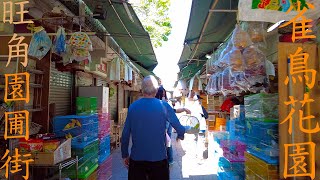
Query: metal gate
x=60, y=90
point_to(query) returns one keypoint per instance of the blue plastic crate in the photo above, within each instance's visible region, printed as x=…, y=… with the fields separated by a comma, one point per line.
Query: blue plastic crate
x=104, y=143
x=60, y=122
x=231, y=174
x=238, y=113
x=227, y=165
x=86, y=130
x=103, y=158
x=82, y=141
x=220, y=135
x=267, y=133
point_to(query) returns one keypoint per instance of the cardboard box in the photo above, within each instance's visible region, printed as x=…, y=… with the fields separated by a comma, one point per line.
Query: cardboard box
x=63, y=152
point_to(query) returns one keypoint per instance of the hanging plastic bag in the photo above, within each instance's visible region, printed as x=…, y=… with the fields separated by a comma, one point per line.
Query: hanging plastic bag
x=253, y=57
x=235, y=60
x=60, y=46
x=212, y=86
x=81, y=40
x=222, y=61
x=226, y=86
x=40, y=44
x=81, y=45
x=240, y=38
x=257, y=32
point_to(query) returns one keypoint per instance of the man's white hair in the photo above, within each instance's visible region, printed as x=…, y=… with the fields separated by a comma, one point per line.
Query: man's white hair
x=149, y=86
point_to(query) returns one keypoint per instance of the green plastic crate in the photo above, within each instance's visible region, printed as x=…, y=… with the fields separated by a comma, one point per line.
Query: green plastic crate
x=261, y=107
x=92, y=148
x=85, y=168
x=86, y=105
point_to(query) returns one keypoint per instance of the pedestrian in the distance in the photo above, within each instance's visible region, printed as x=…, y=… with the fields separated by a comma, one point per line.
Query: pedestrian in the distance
x=162, y=95
x=146, y=124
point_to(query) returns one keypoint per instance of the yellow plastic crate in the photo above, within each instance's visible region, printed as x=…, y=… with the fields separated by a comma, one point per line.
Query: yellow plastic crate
x=258, y=169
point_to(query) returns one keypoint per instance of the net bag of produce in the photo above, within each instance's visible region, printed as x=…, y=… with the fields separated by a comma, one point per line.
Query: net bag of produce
x=40, y=44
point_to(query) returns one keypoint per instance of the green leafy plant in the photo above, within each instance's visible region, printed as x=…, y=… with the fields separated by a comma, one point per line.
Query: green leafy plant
x=153, y=15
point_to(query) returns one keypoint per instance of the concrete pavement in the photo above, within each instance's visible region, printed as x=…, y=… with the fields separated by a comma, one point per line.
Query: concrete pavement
x=186, y=165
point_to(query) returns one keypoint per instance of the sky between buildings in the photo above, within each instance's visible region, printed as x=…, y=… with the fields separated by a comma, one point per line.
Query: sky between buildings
x=169, y=54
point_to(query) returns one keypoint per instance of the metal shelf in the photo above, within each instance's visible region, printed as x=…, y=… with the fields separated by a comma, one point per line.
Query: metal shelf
x=67, y=163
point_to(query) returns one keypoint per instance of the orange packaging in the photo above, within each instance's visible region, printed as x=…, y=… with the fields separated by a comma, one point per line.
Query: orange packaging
x=50, y=145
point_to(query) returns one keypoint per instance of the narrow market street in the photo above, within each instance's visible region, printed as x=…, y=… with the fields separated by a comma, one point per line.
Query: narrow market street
x=186, y=165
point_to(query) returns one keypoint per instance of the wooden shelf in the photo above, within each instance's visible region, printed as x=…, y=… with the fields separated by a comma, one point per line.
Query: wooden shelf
x=35, y=71
x=33, y=85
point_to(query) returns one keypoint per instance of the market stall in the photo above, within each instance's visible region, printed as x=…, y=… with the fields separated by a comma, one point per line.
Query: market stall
x=255, y=138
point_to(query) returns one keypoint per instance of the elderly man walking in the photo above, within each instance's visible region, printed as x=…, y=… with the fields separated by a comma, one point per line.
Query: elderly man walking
x=146, y=124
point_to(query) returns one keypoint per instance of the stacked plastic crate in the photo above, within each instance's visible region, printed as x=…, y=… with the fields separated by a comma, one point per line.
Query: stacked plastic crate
x=261, y=113
x=85, y=144
x=105, y=160
x=230, y=170
x=84, y=133
x=231, y=164
x=233, y=153
x=237, y=125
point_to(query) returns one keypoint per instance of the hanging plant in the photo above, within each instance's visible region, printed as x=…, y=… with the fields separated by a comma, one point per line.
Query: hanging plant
x=111, y=92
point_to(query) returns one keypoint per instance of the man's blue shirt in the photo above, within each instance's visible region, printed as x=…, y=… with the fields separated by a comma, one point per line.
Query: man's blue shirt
x=146, y=123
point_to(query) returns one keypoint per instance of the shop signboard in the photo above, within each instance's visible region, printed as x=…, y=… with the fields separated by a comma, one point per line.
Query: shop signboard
x=274, y=11
x=17, y=89
x=299, y=156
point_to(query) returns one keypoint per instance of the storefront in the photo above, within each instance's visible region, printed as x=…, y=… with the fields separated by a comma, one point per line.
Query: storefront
x=81, y=84
x=249, y=60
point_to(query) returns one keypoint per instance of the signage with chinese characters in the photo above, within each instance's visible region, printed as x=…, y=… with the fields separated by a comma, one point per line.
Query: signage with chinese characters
x=17, y=88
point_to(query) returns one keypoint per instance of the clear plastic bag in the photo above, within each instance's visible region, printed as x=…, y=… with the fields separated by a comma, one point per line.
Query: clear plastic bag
x=257, y=31
x=253, y=57
x=223, y=61
x=211, y=64
x=40, y=44
x=239, y=82
x=59, y=47
x=256, y=75
x=235, y=60
x=226, y=82
x=240, y=38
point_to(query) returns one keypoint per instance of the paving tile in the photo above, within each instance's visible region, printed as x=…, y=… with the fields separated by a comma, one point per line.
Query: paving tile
x=186, y=165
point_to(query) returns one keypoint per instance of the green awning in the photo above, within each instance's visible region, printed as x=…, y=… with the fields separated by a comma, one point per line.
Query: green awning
x=219, y=26
x=136, y=44
x=190, y=70
x=143, y=71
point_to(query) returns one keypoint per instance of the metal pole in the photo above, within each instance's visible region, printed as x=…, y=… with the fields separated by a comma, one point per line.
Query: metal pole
x=224, y=10
x=203, y=29
x=124, y=26
x=77, y=161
